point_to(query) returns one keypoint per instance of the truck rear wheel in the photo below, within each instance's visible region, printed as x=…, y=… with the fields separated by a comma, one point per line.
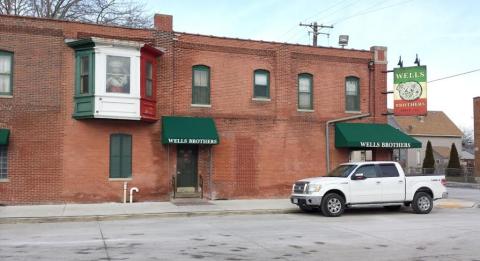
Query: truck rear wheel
x=333, y=205
x=422, y=203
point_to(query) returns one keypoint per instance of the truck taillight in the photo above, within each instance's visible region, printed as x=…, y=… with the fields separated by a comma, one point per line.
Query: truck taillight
x=444, y=182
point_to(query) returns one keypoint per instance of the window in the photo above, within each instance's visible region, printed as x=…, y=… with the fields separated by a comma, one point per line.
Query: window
x=369, y=171
x=6, y=73
x=118, y=74
x=120, y=156
x=84, y=75
x=305, y=87
x=261, y=85
x=352, y=94
x=201, y=85
x=149, y=80
x=389, y=170
x=3, y=162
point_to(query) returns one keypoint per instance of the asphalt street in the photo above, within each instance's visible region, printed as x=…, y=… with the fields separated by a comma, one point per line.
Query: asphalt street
x=360, y=234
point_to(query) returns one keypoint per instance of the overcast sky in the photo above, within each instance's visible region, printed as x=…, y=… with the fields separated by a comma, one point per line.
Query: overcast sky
x=444, y=33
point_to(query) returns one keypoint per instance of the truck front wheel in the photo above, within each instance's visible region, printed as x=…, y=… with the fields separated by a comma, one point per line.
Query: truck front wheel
x=422, y=203
x=333, y=205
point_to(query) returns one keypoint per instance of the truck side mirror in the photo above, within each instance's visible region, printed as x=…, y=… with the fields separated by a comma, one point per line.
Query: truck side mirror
x=358, y=176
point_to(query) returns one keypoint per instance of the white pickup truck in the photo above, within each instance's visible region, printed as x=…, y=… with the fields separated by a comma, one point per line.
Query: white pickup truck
x=368, y=183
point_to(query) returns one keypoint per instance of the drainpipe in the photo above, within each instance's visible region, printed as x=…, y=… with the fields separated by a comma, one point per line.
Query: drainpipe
x=124, y=192
x=131, y=193
x=327, y=134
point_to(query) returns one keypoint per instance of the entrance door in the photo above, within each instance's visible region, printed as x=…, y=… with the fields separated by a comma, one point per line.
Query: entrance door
x=187, y=159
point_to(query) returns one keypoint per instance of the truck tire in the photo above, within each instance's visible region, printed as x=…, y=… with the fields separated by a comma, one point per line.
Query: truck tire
x=422, y=203
x=307, y=209
x=333, y=205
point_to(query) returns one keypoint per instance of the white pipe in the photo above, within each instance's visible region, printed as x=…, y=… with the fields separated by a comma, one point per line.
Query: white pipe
x=125, y=192
x=327, y=135
x=131, y=193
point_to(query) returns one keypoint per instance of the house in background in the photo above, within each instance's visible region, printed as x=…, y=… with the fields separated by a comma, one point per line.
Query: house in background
x=435, y=127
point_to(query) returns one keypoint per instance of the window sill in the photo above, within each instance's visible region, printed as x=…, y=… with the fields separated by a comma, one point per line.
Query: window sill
x=4, y=180
x=201, y=105
x=261, y=99
x=305, y=110
x=353, y=112
x=119, y=179
x=2, y=96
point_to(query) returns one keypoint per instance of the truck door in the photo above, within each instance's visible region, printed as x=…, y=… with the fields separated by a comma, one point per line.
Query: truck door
x=393, y=186
x=367, y=189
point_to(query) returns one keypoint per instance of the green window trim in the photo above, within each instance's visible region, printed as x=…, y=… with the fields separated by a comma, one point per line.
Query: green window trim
x=120, y=156
x=3, y=162
x=257, y=88
x=352, y=102
x=79, y=56
x=8, y=54
x=199, y=94
x=309, y=77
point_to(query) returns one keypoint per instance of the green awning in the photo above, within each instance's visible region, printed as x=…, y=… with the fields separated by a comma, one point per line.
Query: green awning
x=188, y=130
x=370, y=135
x=4, y=134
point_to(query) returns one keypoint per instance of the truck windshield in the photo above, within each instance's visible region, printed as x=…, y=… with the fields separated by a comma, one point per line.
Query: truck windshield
x=341, y=171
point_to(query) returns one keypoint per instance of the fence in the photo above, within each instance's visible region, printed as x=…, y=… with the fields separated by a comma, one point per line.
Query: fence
x=457, y=175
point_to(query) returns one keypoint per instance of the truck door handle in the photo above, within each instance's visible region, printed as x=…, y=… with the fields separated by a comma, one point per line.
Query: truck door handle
x=400, y=181
x=378, y=182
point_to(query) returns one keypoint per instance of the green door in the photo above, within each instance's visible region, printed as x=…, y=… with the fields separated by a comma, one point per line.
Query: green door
x=187, y=159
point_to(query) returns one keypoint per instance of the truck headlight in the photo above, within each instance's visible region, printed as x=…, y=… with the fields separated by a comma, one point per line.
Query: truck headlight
x=313, y=188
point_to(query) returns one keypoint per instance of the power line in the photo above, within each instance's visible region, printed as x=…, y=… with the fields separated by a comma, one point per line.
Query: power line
x=316, y=30
x=368, y=12
x=451, y=76
x=308, y=18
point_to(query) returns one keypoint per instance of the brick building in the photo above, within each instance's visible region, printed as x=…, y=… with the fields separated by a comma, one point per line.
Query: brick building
x=85, y=108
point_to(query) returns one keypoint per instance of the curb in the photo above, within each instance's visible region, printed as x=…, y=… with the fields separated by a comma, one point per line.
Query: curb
x=58, y=219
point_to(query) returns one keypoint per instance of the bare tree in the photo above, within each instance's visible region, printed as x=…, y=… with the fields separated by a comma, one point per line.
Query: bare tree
x=15, y=7
x=468, y=139
x=113, y=12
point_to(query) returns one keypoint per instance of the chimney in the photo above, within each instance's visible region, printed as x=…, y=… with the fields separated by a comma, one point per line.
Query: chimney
x=163, y=22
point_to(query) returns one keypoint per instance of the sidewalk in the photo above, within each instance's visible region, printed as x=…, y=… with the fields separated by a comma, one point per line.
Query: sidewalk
x=115, y=211
x=109, y=211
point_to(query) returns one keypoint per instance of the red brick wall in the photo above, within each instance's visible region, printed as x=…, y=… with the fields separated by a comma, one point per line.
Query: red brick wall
x=53, y=157
x=476, y=130
x=264, y=146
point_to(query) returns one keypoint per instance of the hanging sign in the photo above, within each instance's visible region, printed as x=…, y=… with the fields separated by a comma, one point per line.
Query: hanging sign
x=410, y=91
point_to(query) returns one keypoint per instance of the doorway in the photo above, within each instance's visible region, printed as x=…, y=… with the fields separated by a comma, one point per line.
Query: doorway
x=187, y=170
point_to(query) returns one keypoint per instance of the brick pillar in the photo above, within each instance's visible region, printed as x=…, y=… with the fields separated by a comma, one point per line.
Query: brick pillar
x=379, y=81
x=163, y=22
x=476, y=129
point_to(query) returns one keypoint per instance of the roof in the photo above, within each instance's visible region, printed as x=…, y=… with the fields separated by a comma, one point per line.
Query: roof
x=444, y=152
x=435, y=123
x=465, y=155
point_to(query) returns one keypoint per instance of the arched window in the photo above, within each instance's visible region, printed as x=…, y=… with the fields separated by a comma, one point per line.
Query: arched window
x=120, y=156
x=352, y=93
x=305, y=91
x=261, y=84
x=201, y=85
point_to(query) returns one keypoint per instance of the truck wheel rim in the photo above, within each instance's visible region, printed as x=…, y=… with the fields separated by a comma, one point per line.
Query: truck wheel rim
x=334, y=205
x=423, y=203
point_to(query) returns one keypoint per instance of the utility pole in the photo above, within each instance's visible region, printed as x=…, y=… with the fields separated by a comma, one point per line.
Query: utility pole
x=316, y=28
